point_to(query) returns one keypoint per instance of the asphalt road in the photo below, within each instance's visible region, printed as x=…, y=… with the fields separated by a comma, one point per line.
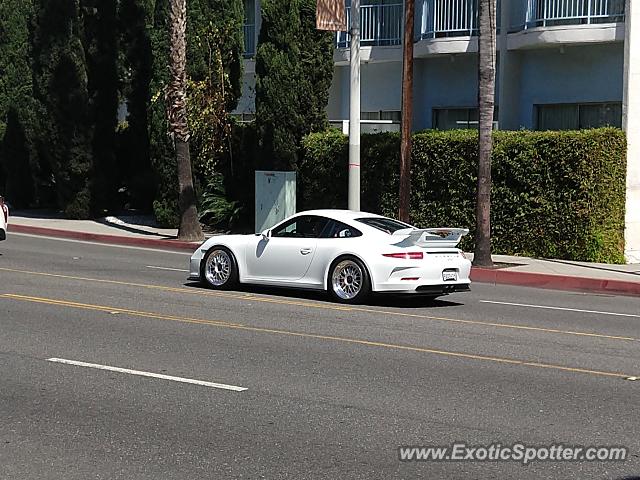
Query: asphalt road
x=331, y=391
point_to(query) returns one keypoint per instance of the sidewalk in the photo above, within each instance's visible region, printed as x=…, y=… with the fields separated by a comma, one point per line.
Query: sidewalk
x=124, y=230
x=522, y=271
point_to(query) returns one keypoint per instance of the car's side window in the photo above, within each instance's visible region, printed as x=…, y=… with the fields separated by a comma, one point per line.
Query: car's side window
x=336, y=229
x=305, y=226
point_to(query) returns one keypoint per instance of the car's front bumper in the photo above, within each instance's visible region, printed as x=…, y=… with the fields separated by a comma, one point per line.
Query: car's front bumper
x=194, y=265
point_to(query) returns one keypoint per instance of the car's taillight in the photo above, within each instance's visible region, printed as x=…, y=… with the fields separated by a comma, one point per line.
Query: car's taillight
x=405, y=256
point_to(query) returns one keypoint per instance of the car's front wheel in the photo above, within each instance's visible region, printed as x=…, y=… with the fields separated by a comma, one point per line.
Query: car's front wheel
x=348, y=280
x=219, y=269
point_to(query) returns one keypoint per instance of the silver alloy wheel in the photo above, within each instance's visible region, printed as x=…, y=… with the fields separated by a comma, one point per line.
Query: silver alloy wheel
x=347, y=279
x=217, y=270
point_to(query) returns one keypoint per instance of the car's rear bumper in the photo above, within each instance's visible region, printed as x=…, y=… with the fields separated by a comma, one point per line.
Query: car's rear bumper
x=430, y=290
x=443, y=289
x=427, y=276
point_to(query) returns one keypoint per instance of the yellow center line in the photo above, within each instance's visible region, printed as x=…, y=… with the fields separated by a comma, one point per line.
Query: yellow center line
x=251, y=297
x=117, y=310
x=353, y=341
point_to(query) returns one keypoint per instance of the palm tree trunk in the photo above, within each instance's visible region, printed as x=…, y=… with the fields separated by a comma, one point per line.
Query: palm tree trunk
x=177, y=114
x=486, y=99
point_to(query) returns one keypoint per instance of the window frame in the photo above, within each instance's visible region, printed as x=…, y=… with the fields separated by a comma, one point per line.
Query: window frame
x=341, y=226
x=286, y=223
x=580, y=119
x=471, y=112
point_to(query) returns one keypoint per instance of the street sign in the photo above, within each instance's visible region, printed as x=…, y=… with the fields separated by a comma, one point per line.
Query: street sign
x=331, y=15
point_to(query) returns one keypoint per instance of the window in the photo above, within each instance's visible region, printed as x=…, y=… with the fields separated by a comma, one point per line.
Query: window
x=249, y=12
x=575, y=116
x=458, y=118
x=387, y=225
x=336, y=229
x=393, y=115
x=305, y=226
x=249, y=28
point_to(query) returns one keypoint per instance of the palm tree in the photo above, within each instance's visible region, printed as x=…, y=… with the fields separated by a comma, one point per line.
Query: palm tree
x=486, y=99
x=177, y=114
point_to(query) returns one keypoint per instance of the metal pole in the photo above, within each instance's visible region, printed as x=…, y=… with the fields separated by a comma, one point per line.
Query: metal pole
x=354, y=109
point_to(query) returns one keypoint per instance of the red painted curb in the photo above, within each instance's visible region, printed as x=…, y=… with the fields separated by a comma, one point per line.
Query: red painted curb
x=103, y=238
x=481, y=275
x=555, y=282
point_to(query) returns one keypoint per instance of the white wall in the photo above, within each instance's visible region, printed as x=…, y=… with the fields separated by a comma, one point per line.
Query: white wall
x=631, y=124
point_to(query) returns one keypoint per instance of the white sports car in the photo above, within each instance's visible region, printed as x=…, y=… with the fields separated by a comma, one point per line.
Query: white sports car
x=4, y=219
x=347, y=253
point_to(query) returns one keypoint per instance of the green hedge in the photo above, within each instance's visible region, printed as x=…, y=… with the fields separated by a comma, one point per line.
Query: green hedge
x=555, y=194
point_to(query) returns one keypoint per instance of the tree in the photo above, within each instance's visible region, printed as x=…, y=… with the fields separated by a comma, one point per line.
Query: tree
x=14, y=149
x=486, y=97
x=101, y=49
x=161, y=151
x=278, y=116
x=18, y=157
x=135, y=27
x=316, y=69
x=189, y=228
x=294, y=68
x=61, y=85
x=214, y=71
x=214, y=29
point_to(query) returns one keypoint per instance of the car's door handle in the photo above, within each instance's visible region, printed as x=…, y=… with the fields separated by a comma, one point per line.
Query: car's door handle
x=305, y=251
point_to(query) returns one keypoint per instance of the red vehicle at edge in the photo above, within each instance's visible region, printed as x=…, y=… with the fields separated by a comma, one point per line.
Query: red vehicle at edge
x=4, y=219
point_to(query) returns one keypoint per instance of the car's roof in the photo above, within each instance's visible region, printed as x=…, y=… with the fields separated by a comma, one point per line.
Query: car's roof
x=338, y=214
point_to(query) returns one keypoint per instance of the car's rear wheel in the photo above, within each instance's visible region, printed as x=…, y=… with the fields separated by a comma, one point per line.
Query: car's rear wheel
x=219, y=269
x=348, y=280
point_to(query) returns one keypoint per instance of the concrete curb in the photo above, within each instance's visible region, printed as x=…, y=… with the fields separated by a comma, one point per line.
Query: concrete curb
x=554, y=282
x=168, y=244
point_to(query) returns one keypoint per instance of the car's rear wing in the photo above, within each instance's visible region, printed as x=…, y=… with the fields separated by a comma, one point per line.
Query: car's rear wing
x=430, y=237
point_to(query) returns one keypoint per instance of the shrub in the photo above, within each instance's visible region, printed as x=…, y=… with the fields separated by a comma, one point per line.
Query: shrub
x=215, y=209
x=555, y=194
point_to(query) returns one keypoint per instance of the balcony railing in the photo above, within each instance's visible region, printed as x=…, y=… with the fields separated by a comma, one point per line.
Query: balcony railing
x=379, y=25
x=382, y=24
x=449, y=18
x=543, y=13
x=249, y=31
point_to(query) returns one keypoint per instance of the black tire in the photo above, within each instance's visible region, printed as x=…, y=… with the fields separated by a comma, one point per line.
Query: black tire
x=348, y=280
x=219, y=269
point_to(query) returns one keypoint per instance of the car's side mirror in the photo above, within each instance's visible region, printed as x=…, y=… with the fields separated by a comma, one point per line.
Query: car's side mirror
x=266, y=234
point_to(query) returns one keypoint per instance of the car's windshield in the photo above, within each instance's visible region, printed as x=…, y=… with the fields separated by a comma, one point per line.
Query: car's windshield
x=387, y=225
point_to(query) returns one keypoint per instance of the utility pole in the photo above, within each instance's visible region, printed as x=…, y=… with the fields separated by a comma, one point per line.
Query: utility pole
x=354, y=108
x=407, y=112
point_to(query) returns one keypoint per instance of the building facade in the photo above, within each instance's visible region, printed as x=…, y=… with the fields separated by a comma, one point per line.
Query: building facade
x=562, y=64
